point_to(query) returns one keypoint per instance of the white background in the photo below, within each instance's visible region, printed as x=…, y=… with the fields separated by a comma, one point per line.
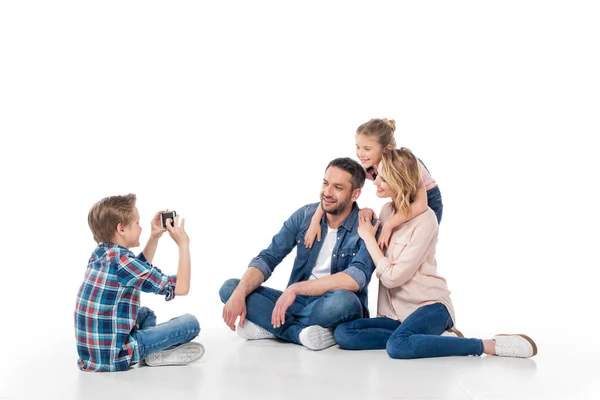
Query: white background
x=229, y=112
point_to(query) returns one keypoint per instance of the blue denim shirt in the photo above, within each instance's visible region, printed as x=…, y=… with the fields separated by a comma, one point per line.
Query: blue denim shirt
x=350, y=254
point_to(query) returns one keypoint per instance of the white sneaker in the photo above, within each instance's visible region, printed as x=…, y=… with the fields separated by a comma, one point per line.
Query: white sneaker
x=453, y=332
x=316, y=337
x=180, y=355
x=515, y=346
x=251, y=331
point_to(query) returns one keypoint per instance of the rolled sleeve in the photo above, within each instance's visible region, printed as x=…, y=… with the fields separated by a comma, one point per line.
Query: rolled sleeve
x=358, y=275
x=136, y=272
x=258, y=263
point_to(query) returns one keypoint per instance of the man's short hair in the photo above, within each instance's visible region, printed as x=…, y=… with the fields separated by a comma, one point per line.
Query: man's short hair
x=105, y=215
x=353, y=168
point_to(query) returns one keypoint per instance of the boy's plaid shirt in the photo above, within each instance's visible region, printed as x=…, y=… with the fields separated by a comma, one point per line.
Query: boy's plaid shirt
x=108, y=303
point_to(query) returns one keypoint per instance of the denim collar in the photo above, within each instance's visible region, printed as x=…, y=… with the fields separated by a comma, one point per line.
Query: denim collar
x=351, y=220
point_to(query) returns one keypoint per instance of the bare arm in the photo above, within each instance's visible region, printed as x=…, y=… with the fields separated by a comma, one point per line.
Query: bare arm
x=236, y=304
x=182, y=287
x=314, y=230
x=317, y=287
x=156, y=231
x=314, y=287
x=252, y=279
x=417, y=207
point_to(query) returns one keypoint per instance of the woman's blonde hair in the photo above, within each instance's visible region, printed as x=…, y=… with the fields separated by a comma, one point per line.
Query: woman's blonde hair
x=382, y=129
x=105, y=215
x=400, y=168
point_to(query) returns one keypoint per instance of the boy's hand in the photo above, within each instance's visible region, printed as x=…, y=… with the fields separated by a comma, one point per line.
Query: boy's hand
x=177, y=231
x=157, y=230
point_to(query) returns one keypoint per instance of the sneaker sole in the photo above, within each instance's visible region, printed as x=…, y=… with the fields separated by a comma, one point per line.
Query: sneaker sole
x=530, y=340
x=181, y=355
x=319, y=340
x=242, y=333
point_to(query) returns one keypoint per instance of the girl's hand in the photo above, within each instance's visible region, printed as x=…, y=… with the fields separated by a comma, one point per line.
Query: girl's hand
x=156, y=230
x=384, y=237
x=314, y=231
x=365, y=228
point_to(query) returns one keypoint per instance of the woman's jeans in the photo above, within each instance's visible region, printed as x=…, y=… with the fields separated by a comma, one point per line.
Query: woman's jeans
x=152, y=338
x=417, y=337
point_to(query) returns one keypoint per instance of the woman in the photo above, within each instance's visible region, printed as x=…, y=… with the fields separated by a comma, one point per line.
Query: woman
x=414, y=306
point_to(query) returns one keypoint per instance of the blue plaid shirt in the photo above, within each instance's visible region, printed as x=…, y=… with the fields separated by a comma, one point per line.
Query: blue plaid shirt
x=107, y=306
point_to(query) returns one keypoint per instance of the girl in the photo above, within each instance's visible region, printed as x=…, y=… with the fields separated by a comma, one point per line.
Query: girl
x=372, y=139
x=414, y=305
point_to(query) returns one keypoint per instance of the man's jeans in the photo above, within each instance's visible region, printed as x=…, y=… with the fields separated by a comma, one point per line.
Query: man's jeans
x=416, y=337
x=152, y=338
x=328, y=310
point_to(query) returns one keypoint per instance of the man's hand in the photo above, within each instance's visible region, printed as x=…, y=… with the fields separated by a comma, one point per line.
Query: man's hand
x=283, y=303
x=235, y=307
x=156, y=230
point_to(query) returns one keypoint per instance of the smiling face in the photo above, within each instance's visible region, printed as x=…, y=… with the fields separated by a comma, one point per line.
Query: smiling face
x=337, y=194
x=368, y=150
x=384, y=190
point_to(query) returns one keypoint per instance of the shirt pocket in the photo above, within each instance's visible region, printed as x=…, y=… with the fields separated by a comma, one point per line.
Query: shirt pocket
x=396, y=249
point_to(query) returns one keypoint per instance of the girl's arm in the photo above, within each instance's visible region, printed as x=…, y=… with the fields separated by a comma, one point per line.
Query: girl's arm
x=397, y=269
x=314, y=230
x=417, y=207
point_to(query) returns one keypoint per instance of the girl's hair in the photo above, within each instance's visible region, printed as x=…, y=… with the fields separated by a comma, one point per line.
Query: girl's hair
x=401, y=170
x=382, y=129
x=105, y=215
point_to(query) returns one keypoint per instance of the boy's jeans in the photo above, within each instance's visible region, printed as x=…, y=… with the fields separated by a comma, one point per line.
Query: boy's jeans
x=152, y=338
x=328, y=310
x=416, y=337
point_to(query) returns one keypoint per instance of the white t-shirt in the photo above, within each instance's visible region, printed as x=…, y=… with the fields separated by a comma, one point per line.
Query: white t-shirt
x=323, y=265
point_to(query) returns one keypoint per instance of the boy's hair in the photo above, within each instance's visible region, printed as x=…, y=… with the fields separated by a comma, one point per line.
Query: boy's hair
x=401, y=170
x=353, y=168
x=382, y=129
x=105, y=215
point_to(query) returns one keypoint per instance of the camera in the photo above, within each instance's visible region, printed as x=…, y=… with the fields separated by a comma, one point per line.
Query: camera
x=165, y=216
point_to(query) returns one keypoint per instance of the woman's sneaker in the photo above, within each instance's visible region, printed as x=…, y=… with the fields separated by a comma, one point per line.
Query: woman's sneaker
x=251, y=331
x=179, y=355
x=515, y=346
x=316, y=337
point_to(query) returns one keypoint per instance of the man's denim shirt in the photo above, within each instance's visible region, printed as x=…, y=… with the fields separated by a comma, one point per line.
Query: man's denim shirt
x=349, y=255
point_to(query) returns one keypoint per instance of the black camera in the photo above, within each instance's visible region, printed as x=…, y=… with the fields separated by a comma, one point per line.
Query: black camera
x=165, y=216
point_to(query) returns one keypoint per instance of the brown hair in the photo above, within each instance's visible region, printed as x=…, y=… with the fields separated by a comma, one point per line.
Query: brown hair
x=105, y=215
x=382, y=129
x=401, y=170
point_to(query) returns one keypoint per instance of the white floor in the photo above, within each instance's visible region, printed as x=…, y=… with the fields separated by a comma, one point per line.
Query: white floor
x=236, y=369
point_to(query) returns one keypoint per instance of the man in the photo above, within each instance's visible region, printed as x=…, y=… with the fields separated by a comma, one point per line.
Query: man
x=328, y=283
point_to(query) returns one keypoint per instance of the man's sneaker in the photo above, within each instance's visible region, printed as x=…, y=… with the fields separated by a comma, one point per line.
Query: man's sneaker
x=452, y=332
x=179, y=355
x=316, y=337
x=515, y=346
x=251, y=331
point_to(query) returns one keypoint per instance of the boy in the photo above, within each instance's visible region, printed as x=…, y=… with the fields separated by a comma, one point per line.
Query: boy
x=111, y=330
